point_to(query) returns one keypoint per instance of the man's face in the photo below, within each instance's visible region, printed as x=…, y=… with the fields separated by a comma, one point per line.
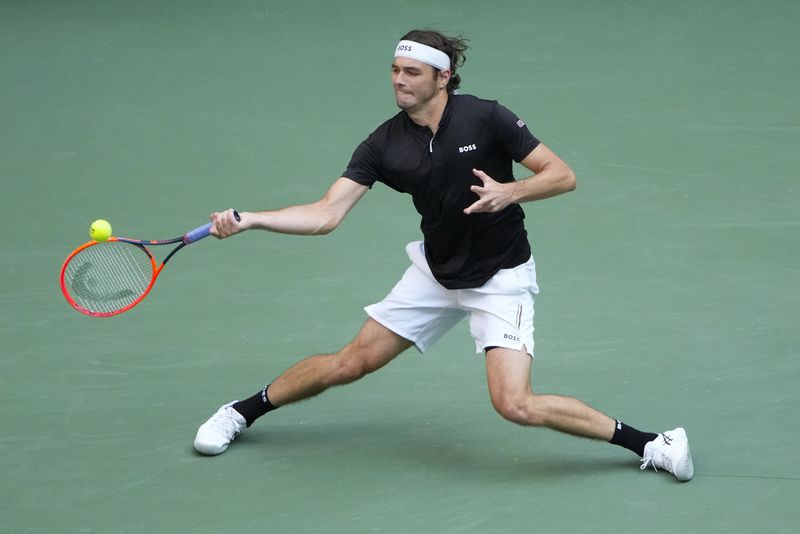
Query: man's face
x=414, y=83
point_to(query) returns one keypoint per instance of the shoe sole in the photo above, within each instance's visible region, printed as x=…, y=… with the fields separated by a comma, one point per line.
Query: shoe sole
x=208, y=451
x=684, y=471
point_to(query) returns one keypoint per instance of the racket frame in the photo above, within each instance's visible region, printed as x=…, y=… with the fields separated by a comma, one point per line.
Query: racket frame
x=190, y=237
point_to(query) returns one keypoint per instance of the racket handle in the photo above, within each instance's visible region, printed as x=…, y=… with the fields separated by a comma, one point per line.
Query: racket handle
x=204, y=231
x=197, y=234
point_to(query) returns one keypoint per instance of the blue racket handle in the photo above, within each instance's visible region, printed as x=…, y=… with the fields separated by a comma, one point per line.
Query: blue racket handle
x=197, y=234
x=204, y=231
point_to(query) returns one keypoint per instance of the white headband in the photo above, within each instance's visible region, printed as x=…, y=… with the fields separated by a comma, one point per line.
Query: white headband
x=424, y=53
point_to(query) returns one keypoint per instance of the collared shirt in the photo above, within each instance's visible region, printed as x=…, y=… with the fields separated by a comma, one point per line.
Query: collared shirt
x=463, y=251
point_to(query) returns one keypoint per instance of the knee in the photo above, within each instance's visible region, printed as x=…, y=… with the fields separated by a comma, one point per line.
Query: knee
x=519, y=408
x=348, y=371
x=349, y=367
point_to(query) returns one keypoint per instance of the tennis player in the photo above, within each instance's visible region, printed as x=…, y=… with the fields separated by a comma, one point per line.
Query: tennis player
x=453, y=154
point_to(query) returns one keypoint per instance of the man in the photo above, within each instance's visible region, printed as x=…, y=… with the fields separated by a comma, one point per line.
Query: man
x=453, y=154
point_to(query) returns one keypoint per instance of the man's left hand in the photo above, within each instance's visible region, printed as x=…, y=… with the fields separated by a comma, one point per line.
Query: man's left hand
x=493, y=196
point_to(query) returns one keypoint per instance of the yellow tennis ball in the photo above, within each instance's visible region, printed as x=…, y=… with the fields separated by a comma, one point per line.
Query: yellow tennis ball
x=100, y=230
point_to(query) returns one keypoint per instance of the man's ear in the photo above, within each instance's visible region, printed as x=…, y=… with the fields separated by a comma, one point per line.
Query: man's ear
x=444, y=78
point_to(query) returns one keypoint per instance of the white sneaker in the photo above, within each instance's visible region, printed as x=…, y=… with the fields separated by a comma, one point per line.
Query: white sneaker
x=214, y=436
x=670, y=451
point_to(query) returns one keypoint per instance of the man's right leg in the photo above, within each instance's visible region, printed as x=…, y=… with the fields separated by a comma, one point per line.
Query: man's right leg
x=373, y=347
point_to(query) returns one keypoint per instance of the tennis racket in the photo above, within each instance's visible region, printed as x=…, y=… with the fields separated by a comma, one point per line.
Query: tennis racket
x=106, y=278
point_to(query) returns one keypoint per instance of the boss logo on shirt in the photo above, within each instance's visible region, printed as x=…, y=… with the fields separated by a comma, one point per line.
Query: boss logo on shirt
x=466, y=148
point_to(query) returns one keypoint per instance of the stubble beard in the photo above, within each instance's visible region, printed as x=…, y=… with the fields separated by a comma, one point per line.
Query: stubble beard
x=421, y=101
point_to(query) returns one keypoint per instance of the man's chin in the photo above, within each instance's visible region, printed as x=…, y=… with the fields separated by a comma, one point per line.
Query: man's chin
x=403, y=101
x=405, y=105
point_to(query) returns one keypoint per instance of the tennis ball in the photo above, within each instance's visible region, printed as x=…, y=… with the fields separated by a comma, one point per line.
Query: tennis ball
x=100, y=230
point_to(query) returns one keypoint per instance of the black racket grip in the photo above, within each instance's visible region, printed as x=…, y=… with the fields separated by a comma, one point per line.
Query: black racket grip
x=237, y=216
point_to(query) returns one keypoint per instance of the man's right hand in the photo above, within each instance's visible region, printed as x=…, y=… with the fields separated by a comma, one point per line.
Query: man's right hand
x=224, y=224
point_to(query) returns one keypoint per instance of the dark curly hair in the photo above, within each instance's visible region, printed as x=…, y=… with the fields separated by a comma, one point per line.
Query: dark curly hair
x=454, y=47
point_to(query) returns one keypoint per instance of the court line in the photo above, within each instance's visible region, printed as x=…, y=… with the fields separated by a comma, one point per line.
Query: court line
x=754, y=477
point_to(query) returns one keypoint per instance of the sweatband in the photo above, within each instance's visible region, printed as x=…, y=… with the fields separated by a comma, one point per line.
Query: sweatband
x=424, y=53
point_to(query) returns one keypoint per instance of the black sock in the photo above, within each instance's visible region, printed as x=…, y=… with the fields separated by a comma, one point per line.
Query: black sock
x=630, y=438
x=254, y=407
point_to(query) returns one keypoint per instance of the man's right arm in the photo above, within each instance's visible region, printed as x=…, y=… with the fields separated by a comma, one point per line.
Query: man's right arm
x=318, y=218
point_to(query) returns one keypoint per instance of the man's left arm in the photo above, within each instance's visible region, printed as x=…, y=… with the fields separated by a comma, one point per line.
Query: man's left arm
x=551, y=177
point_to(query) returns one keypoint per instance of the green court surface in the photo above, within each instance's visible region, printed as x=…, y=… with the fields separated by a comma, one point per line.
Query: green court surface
x=670, y=279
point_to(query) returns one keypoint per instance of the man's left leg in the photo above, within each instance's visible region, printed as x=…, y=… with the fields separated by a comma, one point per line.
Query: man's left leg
x=509, y=374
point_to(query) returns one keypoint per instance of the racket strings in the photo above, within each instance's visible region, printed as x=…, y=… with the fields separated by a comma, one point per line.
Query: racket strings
x=109, y=276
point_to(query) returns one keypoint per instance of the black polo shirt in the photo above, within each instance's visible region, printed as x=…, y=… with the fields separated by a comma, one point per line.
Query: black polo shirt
x=463, y=251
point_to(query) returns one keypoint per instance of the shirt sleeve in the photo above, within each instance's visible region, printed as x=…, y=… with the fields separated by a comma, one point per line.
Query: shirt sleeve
x=513, y=134
x=364, y=166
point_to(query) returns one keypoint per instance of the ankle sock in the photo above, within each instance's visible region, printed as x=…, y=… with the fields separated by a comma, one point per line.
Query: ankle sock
x=254, y=407
x=630, y=438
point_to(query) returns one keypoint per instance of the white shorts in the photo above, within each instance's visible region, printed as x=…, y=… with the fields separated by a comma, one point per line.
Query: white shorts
x=421, y=310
